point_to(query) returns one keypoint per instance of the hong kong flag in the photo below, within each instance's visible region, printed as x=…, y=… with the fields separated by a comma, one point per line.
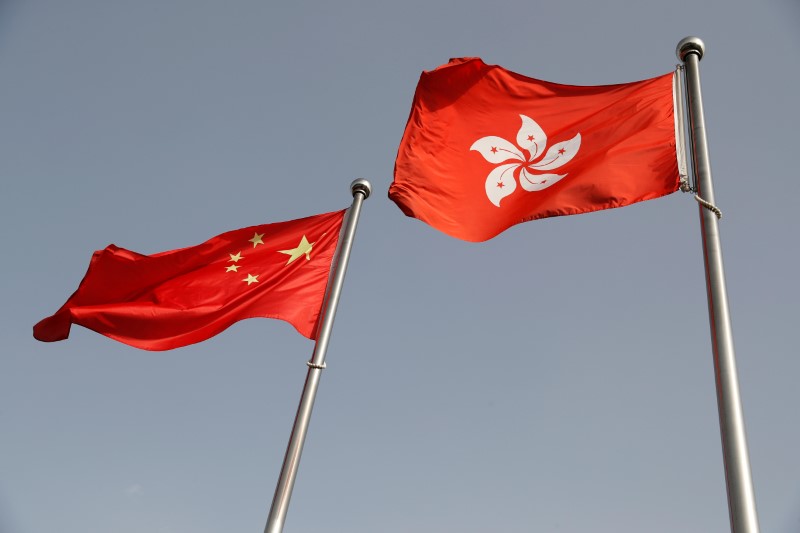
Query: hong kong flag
x=485, y=148
x=171, y=299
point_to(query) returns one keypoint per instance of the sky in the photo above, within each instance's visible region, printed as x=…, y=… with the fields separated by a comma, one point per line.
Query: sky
x=557, y=378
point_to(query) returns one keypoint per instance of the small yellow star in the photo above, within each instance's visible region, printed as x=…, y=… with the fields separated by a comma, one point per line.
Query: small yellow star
x=235, y=258
x=303, y=248
x=256, y=240
x=232, y=268
x=250, y=279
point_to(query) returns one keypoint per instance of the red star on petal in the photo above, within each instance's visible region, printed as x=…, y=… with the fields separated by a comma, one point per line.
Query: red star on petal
x=530, y=137
x=494, y=149
x=561, y=151
x=500, y=185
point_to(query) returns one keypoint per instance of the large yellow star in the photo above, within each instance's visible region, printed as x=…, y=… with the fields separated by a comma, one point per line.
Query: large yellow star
x=250, y=279
x=256, y=240
x=303, y=248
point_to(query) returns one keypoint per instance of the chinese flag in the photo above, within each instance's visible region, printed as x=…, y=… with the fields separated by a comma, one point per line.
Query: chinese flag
x=179, y=297
x=485, y=148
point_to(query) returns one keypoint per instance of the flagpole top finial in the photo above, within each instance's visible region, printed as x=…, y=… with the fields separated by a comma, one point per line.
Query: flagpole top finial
x=690, y=45
x=361, y=185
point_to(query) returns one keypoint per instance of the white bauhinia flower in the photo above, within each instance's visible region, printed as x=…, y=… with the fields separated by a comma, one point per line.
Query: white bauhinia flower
x=501, y=181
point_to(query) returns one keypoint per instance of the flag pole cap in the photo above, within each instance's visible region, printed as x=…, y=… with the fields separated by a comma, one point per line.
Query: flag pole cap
x=361, y=185
x=690, y=45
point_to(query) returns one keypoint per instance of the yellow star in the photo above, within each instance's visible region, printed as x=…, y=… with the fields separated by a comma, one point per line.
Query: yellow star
x=250, y=279
x=303, y=248
x=256, y=240
x=235, y=258
x=232, y=268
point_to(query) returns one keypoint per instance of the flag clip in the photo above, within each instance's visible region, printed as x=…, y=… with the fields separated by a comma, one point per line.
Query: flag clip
x=314, y=365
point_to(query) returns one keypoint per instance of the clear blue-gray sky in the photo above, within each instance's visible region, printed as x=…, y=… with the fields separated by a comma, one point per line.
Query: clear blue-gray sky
x=557, y=378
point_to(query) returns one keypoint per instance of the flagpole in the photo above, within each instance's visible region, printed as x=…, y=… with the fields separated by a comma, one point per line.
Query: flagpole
x=739, y=483
x=283, y=492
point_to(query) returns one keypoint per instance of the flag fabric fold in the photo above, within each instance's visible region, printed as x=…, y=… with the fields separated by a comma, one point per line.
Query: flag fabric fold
x=486, y=148
x=180, y=297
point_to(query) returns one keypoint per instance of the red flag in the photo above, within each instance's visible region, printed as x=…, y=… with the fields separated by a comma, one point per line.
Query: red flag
x=180, y=297
x=485, y=148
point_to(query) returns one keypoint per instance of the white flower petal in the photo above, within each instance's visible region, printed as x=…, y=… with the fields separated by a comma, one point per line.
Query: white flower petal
x=496, y=149
x=500, y=183
x=559, y=154
x=537, y=182
x=531, y=137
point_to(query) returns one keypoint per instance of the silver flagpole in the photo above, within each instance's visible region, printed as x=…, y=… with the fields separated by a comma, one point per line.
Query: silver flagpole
x=283, y=492
x=741, y=498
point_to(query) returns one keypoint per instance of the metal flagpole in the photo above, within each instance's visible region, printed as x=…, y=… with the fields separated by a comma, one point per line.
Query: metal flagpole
x=741, y=498
x=283, y=492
